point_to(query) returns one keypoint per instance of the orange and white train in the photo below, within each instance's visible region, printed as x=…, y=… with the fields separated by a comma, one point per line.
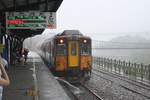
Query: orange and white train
x=68, y=55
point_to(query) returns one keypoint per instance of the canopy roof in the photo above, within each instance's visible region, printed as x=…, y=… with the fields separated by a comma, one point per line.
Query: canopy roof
x=23, y=6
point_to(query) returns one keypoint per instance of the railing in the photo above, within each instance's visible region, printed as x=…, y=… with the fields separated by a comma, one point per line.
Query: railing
x=131, y=70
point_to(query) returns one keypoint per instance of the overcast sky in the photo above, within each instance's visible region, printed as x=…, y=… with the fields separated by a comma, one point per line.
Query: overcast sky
x=105, y=19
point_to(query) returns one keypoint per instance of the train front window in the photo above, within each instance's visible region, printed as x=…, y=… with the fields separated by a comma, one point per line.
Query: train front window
x=61, y=49
x=73, y=49
x=85, y=49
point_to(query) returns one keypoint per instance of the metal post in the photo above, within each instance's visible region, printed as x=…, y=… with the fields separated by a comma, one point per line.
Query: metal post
x=107, y=62
x=123, y=68
x=135, y=69
x=142, y=72
x=115, y=65
x=129, y=69
x=119, y=65
x=101, y=59
x=111, y=65
x=104, y=62
x=149, y=72
x=99, y=63
x=132, y=69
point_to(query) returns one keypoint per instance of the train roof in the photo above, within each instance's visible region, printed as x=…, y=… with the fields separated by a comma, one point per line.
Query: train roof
x=70, y=32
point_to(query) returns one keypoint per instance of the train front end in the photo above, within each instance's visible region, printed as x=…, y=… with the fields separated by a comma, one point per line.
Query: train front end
x=73, y=58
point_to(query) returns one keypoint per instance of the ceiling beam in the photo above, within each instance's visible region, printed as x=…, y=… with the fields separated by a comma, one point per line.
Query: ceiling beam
x=39, y=1
x=56, y=6
x=27, y=4
x=46, y=5
x=14, y=4
x=25, y=7
x=3, y=4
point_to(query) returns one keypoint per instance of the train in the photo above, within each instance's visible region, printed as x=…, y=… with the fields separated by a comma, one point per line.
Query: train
x=68, y=55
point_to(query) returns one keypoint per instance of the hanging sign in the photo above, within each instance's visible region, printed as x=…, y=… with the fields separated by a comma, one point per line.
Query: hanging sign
x=30, y=20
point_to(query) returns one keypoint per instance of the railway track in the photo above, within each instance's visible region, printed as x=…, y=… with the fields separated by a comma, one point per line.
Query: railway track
x=79, y=91
x=123, y=78
x=88, y=94
x=138, y=84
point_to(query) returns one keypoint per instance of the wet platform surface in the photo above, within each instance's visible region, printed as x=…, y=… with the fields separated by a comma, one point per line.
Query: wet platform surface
x=24, y=83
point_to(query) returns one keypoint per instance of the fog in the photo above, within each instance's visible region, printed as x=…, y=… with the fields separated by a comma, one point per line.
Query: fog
x=105, y=20
x=34, y=43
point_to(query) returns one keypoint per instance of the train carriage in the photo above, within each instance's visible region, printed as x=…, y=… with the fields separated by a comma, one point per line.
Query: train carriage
x=69, y=55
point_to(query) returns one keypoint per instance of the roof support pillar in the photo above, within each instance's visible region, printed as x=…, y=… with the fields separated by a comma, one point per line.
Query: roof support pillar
x=46, y=6
x=27, y=3
x=3, y=4
x=14, y=4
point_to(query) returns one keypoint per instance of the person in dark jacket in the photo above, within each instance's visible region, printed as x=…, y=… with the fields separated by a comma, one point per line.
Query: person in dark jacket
x=25, y=53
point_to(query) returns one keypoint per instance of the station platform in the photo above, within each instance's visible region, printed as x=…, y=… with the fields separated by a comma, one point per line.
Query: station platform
x=33, y=81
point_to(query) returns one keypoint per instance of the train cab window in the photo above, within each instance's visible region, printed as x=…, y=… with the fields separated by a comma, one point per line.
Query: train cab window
x=85, y=49
x=73, y=49
x=61, y=49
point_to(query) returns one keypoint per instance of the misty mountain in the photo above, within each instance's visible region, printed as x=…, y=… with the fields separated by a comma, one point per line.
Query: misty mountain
x=130, y=39
x=124, y=42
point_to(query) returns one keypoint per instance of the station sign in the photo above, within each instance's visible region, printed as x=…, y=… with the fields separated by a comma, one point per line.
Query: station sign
x=30, y=20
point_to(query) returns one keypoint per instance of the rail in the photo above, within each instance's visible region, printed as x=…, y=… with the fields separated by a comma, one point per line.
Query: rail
x=134, y=71
x=96, y=96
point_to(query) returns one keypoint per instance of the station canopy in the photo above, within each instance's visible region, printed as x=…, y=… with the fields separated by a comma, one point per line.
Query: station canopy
x=26, y=6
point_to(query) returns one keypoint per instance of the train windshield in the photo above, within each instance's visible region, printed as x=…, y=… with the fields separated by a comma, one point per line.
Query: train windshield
x=73, y=49
x=85, y=49
x=61, y=49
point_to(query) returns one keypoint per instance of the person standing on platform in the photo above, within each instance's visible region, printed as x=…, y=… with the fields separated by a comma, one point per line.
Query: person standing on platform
x=4, y=79
x=25, y=53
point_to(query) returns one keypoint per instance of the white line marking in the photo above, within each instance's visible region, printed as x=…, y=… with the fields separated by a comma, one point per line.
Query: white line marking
x=35, y=81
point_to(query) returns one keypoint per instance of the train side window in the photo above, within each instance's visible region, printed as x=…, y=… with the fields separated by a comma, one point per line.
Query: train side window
x=85, y=49
x=61, y=49
x=73, y=49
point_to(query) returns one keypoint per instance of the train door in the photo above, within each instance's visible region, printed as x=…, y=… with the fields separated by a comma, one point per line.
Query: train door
x=73, y=54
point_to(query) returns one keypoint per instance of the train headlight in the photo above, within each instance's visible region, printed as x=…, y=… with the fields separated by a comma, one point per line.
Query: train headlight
x=85, y=41
x=61, y=41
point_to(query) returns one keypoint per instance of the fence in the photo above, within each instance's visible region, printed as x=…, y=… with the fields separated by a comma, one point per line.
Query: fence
x=132, y=70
